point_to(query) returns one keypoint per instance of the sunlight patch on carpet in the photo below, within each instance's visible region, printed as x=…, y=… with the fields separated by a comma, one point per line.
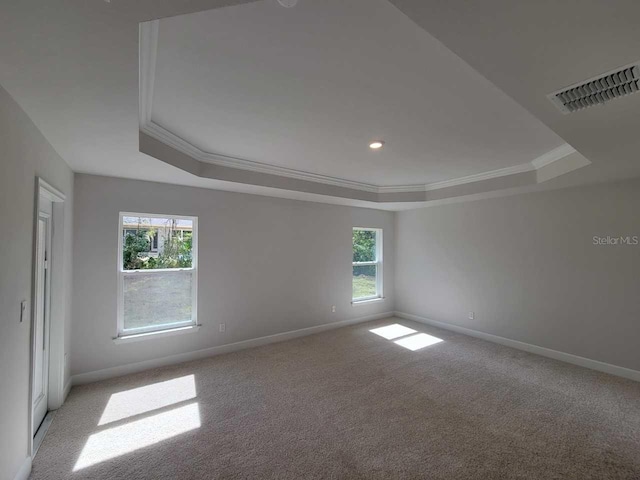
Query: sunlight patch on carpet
x=145, y=399
x=116, y=441
x=416, y=342
x=393, y=331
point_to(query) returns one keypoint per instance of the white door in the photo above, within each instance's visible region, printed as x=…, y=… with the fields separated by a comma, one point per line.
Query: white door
x=41, y=325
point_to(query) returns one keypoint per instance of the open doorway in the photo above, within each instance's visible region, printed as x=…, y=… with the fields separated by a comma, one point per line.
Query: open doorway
x=47, y=319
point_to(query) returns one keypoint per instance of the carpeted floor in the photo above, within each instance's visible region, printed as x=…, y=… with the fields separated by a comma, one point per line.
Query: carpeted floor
x=349, y=403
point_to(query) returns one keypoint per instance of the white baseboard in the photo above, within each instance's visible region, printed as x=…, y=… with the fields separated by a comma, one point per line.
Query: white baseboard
x=527, y=347
x=67, y=389
x=103, y=374
x=25, y=470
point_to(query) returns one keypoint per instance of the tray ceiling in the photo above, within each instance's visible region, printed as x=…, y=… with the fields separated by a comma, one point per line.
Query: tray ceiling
x=73, y=67
x=301, y=92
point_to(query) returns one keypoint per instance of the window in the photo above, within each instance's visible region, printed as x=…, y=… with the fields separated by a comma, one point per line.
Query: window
x=157, y=273
x=367, y=264
x=154, y=242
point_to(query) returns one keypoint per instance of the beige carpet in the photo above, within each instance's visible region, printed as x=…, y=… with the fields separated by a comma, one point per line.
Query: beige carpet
x=352, y=404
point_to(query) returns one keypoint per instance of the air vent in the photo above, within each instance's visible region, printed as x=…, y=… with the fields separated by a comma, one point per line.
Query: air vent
x=598, y=90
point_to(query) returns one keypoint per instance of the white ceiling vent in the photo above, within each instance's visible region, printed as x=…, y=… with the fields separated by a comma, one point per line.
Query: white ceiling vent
x=598, y=90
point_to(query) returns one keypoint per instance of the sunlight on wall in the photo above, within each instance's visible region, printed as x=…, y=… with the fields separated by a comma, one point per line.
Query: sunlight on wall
x=127, y=438
x=416, y=342
x=393, y=331
x=150, y=397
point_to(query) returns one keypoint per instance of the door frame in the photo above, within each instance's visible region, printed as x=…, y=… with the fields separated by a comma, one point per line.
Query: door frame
x=43, y=287
x=57, y=302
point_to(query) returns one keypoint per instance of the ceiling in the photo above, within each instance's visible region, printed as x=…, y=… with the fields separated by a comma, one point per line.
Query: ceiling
x=262, y=99
x=308, y=88
x=538, y=47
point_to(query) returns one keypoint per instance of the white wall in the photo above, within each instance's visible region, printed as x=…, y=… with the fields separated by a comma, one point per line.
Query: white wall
x=526, y=265
x=266, y=266
x=24, y=154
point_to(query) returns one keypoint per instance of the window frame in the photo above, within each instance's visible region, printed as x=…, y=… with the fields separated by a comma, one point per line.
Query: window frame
x=121, y=332
x=378, y=263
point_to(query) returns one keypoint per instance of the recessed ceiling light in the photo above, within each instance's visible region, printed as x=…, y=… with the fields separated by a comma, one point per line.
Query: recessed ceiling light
x=288, y=3
x=376, y=145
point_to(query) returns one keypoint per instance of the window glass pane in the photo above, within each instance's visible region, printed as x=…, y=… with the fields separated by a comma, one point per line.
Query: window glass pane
x=364, y=246
x=157, y=298
x=151, y=243
x=364, y=281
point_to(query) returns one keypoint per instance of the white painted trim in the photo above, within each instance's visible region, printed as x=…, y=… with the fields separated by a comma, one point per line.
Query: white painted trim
x=148, y=47
x=527, y=347
x=367, y=301
x=148, y=41
x=103, y=374
x=56, y=349
x=379, y=263
x=480, y=177
x=165, y=136
x=25, y=470
x=50, y=192
x=537, y=163
x=403, y=188
x=120, y=331
x=137, y=337
x=67, y=389
x=553, y=156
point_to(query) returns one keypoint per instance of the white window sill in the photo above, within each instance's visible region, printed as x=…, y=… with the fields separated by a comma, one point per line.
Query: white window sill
x=367, y=301
x=136, y=337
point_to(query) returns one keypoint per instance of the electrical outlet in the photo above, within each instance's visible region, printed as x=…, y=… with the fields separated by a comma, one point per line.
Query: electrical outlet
x=471, y=315
x=222, y=327
x=333, y=309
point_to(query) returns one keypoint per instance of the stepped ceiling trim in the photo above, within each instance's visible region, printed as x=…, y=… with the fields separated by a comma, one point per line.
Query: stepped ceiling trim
x=148, y=37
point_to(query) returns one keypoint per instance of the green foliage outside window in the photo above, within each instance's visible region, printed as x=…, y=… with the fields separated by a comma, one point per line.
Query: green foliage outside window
x=364, y=246
x=176, y=250
x=364, y=250
x=136, y=244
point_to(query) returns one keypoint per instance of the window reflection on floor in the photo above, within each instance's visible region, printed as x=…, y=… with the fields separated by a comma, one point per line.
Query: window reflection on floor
x=129, y=421
x=393, y=331
x=416, y=342
x=406, y=337
x=148, y=398
x=129, y=437
x=136, y=426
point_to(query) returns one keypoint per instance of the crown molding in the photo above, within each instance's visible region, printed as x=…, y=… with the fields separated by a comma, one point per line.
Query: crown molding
x=148, y=38
x=169, y=138
x=553, y=156
x=479, y=177
x=162, y=134
x=148, y=53
x=537, y=163
x=402, y=188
